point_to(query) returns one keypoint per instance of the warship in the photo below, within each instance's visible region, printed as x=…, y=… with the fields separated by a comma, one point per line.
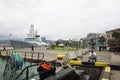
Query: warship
x=32, y=39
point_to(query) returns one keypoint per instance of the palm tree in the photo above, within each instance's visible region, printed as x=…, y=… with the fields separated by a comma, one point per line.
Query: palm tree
x=92, y=43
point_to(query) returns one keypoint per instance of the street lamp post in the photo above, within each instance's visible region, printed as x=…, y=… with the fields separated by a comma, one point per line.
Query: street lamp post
x=81, y=41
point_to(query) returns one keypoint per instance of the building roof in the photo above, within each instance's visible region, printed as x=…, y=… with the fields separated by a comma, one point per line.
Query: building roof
x=61, y=45
x=113, y=30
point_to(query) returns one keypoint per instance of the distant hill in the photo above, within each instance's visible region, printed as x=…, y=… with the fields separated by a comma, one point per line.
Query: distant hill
x=5, y=42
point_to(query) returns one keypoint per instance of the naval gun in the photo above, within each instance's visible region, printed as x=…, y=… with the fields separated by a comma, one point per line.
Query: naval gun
x=14, y=63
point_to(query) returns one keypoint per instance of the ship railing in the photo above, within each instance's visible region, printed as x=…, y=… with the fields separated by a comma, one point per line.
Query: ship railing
x=27, y=55
x=27, y=70
x=31, y=56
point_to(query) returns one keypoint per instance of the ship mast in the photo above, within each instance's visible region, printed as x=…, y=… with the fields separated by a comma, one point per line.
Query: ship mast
x=32, y=33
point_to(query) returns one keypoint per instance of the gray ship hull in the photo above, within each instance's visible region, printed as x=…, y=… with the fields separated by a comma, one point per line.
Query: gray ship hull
x=22, y=44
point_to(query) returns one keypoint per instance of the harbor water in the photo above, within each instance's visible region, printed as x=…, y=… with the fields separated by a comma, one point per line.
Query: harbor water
x=32, y=70
x=2, y=66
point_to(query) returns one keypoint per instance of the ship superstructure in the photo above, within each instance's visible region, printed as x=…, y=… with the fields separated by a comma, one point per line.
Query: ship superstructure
x=32, y=39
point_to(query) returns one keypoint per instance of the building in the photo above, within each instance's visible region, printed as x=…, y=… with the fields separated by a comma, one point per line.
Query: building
x=95, y=37
x=111, y=41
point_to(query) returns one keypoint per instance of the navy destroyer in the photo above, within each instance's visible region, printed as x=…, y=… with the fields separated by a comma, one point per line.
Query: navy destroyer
x=32, y=39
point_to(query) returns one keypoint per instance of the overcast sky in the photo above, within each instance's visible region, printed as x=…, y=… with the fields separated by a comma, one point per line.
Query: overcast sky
x=58, y=19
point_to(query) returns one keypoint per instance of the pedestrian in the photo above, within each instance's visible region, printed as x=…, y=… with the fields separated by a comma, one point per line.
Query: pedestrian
x=4, y=47
x=92, y=55
x=32, y=48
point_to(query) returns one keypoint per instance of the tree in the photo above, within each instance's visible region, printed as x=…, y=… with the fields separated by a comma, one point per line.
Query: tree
x=57, y=42
x=66, y=43
x=116, y=35
x=92, y=43
x=84, y=44
x=101, y=40
x=53, y=46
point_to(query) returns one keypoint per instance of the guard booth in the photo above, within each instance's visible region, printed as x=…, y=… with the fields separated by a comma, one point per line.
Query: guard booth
x=100, y=47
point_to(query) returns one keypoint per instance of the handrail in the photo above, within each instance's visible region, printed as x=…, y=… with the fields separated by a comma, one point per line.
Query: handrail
x=26, y=51
x=27, y=67
x=27, y=73
x=32, y=55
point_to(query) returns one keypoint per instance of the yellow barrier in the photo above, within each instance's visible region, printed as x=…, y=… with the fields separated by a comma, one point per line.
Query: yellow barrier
x=60, y=56
x=104, y=79
x=107, y=69
x=76, y=62
x=106, y=74
x=101, y=64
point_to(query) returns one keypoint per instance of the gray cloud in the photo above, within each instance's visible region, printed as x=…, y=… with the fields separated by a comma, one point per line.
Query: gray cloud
x=59, y=18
